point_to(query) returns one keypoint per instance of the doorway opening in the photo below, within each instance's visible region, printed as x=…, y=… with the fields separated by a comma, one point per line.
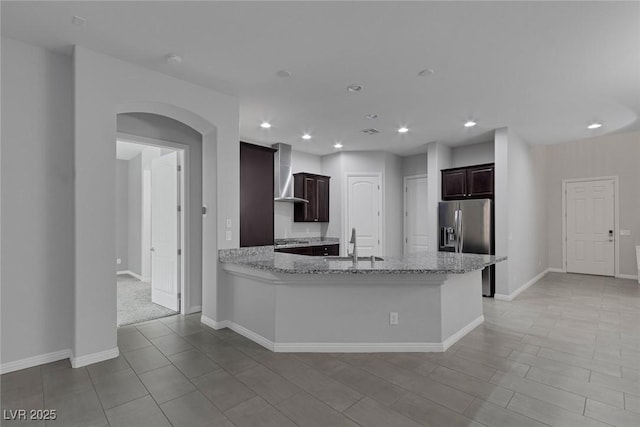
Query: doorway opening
x=590, y=226
x=150, y=230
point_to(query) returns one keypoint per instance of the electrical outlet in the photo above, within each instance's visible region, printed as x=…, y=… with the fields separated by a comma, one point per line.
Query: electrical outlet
x=119, y=261
x=228, y=234
x=393, y=318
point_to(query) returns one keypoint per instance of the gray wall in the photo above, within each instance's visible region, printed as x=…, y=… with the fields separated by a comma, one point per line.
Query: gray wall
x=473, y=154
x=37, y=202
x=122, y=214
x=167, y=129
x=414, y=165
x=134, y=217
x=612, y=155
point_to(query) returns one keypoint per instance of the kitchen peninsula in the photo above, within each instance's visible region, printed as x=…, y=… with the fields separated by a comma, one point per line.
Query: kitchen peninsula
x=422, y=302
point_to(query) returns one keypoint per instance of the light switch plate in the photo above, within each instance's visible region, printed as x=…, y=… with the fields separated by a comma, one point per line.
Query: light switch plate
x=228, y=234
x=228, y=223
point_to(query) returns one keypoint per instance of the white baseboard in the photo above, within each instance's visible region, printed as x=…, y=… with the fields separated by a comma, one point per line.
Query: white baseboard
x=555, y=270
x=80, y=361
x=136, y=275
x=462, y=332
x=627, y=276
x=325, y=347
x=514, y=294
x=30, y=362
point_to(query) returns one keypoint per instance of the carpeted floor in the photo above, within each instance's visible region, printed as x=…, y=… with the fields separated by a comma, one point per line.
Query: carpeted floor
x=134, y=302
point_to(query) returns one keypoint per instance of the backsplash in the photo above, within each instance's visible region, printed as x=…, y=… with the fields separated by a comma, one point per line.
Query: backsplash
x=285, y=228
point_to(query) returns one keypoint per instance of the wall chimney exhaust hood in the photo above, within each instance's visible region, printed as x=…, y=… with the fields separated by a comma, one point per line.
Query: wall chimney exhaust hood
x=283, y=178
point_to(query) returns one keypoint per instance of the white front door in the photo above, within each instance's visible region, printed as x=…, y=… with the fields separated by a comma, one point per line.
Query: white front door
x=590, y=227
x=165, y=283
x=364, y=213
x=415, y=214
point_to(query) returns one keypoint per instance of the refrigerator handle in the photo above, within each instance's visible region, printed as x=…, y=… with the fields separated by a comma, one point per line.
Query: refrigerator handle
x=460, y=232
x=456, y=229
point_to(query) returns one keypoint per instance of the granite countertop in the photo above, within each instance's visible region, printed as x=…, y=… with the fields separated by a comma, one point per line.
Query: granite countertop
x=264, y=258
x=304, y=242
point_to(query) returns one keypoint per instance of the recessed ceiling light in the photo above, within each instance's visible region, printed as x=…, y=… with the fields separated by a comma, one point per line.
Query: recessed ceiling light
x=470, y=124
x=371, y=116
x=283, y=73
x=403, y=129
x=78, y=21
x=306, y=136
x=426, y=72
x=354, y=88
x=265, y=125
x=594, y=125
x=174, y=59
x=337, y=145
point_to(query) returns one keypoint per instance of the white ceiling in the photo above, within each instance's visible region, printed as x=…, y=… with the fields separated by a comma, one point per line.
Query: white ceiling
x=545, y=69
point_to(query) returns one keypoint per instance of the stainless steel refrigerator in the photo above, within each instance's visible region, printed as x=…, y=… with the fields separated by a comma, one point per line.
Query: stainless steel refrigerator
x=467, y=226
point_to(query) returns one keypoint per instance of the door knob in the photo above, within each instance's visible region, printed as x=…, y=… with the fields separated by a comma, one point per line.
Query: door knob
x=153, y=249
x=611, y=235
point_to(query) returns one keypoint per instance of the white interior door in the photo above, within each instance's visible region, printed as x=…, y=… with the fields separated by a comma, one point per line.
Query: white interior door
x=364, y=213
x=415, y=214
x=164, y=231
x=590, y=227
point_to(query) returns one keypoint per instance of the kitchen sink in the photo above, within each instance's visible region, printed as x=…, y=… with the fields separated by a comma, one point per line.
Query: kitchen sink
x=349, y=258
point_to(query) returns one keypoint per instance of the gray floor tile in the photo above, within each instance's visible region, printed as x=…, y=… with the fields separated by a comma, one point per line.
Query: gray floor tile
x=132, y=341
x=611, y=415
x=429, y=413
x=583, y=362
x=171, y=344
x=552, y=366
x=615, y=383
x=193, y=363
x=154, y=329
x=146, y=359
x=367, y=383
x=441, y=393
x=267, y=384
x=581, y=388
x=498, y=363
x=306, y=410
x=328, y=390
x=368, y=412
x=549, y=414
x=166, y=383
x=81, y=409
x=497, y=416
x=257, y=412
x=468, y=384
x=231, y=359
x=141, y=412
x=108, y=367
x=194, y=410
x=321, y=362
x=564, y=399
x=118, y=388
x=222, y=389
x=632, y=403
x=12, y=418
x=19, y=386
x=65, y=381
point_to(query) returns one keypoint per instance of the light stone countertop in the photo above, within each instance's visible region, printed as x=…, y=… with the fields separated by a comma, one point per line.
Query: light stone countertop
x=264, y=258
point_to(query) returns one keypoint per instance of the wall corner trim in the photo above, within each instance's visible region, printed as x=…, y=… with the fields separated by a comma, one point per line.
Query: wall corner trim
x=514, y=294
x=30, y=362
x=462, y=332
x=80, y=361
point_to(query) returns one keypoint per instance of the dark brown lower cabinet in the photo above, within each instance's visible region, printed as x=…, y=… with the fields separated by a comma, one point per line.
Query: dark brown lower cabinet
x=321, y=250
x=256, y=195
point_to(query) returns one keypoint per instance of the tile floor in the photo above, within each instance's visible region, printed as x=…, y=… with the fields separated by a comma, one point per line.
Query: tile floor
x=566, y=352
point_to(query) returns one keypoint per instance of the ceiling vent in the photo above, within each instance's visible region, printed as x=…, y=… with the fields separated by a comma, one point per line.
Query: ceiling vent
x=370, y=131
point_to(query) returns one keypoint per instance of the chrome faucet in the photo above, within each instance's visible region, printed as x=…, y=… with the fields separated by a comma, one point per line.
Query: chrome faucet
x=354, y=254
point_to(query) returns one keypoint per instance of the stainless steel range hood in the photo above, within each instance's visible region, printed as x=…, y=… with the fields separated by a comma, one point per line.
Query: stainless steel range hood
x=283, y=179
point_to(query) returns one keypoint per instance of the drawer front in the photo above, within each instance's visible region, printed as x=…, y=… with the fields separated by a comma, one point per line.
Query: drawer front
x=326, y=250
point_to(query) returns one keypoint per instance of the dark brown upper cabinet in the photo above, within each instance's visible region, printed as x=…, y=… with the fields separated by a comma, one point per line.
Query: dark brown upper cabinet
x=315, y=189
x=471, y=182
x=256, y=195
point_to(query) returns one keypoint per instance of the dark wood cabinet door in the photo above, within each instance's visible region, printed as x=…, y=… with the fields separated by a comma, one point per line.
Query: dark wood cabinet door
x=480, y=181
x=306, y=250
x=322, y=189
x=256, y=195
x=326, y=250
x=454, y=184
x=315, y=189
